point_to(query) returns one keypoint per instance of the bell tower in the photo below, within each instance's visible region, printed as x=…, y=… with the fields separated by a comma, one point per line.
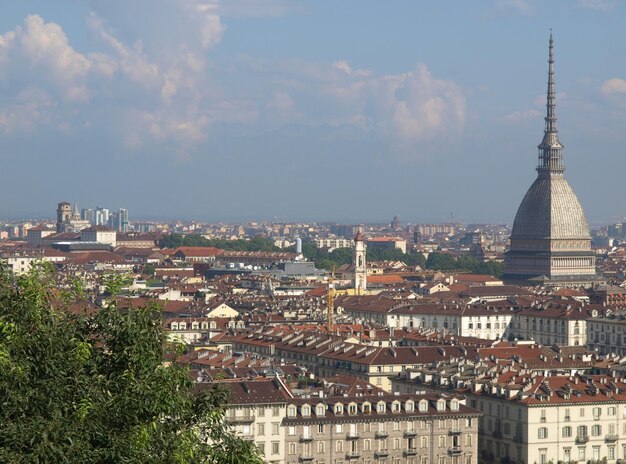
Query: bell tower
x=360, y=267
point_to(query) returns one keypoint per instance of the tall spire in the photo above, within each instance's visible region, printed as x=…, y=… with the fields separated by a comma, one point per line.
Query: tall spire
x=550, y=148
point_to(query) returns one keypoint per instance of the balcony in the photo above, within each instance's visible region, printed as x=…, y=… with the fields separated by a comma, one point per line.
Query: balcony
x=353, y=455
x=582, y=439
x=248, y=437
x=247, y=419
x=410, y=452
x=306, y=438
x=306, y=458
x=381, y=454
x=381, y=434
x=410, y=433
x=453, y=432
x=610, y=438
x=352, y=436
x=454, y=451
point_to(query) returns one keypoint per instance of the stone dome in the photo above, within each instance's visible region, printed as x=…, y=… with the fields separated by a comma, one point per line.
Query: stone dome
x=550, y=210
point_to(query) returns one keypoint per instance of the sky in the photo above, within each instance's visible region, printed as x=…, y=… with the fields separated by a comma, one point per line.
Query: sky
x=320, y=110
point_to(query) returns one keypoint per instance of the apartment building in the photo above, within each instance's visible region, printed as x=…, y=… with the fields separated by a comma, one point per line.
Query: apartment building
x=536, y=419
x=553, y=323
x=381, y=428
x=607, y=334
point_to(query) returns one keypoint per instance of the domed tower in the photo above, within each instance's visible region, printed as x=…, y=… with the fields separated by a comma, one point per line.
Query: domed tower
x=550, y=240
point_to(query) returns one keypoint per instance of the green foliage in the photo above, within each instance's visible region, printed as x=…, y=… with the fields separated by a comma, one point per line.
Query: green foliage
x=324, y=259
x=149, y=270
x=255, y=244
x=447, y=262
x=93, y=388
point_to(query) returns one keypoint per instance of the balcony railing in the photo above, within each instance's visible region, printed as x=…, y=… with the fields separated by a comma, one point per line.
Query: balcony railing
x=353, y=455
x=306, y=458
x=612, y=438
x=582, y=439
x=381, y=454
x=410, y=452
x=247, y=419
x=352, y=436
x=306, y=438
x=454, y=432
x=454, y=451
x=410, y=433
x=381, y=434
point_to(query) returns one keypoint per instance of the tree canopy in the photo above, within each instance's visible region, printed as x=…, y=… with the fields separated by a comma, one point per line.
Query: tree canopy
x=93, y=387
x=254, y=244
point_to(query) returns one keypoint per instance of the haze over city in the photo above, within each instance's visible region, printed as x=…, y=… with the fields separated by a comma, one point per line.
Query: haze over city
x=350, y=111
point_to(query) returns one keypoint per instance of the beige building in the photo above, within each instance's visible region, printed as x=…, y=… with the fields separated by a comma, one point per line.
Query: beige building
x=380, y=428
x=537, y=419
x=607, y=334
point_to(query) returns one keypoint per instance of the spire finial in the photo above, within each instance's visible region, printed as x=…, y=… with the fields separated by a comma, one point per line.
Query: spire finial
x=550, y=149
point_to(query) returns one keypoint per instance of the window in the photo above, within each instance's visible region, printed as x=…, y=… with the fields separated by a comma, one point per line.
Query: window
x=396, y=443
x=339, y=446
x=582, y=412
x=468, y=440
x=612, y=411
x=320, y=446
x=543, y=432
x=611, y=452
x=367, y=445
x=596, y=430
x=275, y=447
x=423, y=406
x=275, y=428
x=596, y=413
x=381, y=407
x=306, y=410
x=291, y=411
x=396, y=425
x=567, y=432
x=320, y=410
x=454, y=405
x=581, y=431
x=424, y=442
x=543, y=416
x=292, y=448
x=261, y=411
x=581, y=453
x=261, y=429
x=261, y=447
x=275, y=410
x=338, y=428
x=320, y=428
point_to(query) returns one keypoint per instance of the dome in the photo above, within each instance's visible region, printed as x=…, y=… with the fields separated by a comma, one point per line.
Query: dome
x=550, y=210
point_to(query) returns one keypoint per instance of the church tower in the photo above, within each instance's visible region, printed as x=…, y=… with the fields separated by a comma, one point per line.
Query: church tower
x=550, y=240
x=360, y=268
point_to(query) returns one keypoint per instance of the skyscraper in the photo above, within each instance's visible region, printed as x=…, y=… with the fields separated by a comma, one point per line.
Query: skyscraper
x=550, y=240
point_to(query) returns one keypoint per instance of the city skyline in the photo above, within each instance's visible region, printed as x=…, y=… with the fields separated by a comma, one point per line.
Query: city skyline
x=439, y=115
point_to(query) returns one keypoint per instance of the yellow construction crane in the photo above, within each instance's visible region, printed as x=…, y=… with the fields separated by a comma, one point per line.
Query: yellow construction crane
x=330, y=302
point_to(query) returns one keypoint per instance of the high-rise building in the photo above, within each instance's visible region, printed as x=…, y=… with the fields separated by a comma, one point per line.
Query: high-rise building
x=123, y=220
x=101, y=216
x=550, y=240
x=87, y=214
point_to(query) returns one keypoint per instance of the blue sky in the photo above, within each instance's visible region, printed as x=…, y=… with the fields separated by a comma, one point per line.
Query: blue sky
x=350, y=111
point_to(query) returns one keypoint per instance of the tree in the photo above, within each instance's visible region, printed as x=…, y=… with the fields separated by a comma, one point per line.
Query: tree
x=81, y=387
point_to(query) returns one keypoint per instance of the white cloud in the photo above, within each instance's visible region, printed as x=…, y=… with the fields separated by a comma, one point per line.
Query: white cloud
x=131, y=60
x=613, y=86
x=518, y=116
x=600, y=5
x=206, y=13
x=29, y=109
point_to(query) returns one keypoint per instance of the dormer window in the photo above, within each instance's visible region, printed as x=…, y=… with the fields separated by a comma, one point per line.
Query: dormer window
x=441, y=405
x=423, y=406
x=409, y=406
x=339, y=408
x=381, y=408
x=320, y=410
x=454, y=405
x=395, y=406
x=291, y=411
x=306, y=410
x=367, y=408
x=352, y=408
